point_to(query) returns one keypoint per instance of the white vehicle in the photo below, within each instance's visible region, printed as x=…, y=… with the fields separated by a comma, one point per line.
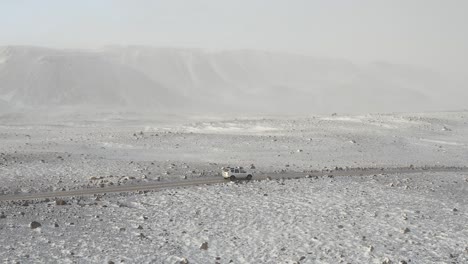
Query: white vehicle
x=234, y=173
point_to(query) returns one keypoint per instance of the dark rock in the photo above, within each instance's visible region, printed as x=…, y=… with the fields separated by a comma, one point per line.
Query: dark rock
x=60, y=202
x=204, y=246
x=34, y=225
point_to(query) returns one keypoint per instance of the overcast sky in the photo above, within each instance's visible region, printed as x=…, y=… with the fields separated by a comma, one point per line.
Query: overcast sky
x=431, y=33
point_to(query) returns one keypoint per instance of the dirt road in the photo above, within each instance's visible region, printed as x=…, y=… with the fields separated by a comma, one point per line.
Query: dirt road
x=217, y=180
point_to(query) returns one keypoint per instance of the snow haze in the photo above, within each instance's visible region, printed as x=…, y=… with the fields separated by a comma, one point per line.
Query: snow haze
x=176, y=80
x=365, y=56
x=246, y=131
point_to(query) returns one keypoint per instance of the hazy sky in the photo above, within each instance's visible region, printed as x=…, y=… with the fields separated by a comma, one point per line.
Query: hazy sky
x=431, y=33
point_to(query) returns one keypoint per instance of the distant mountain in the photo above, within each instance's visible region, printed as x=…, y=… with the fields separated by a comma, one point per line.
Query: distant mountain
x=186, y=80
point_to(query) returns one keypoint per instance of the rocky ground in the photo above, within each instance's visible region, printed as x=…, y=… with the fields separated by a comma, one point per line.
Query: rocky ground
x=62, y=155
x=414, y=218
x=417, y=218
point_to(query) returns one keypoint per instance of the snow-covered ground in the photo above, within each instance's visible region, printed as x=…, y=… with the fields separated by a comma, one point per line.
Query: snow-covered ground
x=67, y=154
x=417, y=218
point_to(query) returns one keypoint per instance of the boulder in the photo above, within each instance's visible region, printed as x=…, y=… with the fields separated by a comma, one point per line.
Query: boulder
x=34, y=225
x=204, y=246
x=60, y=202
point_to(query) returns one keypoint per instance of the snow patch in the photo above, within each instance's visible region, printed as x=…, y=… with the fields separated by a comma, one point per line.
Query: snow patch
x=442, y=142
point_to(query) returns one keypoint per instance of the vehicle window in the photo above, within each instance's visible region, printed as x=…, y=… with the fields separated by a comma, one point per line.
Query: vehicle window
x=242, y=171
x=236, y=171
x=232, y=170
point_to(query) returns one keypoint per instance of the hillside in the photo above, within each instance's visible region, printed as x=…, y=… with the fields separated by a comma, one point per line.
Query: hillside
x=192, y=80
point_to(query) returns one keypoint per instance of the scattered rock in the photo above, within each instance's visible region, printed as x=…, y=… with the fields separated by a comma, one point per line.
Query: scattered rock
x=60, y=202
x=35, y=225
x=183, y=261
x=340, y=226
x=455, y=210
x=405, y=230
x=139, y=227
x=56, y=225
x=404, y=217
x=403, y=262
x=371, y=248
x=299, y=150
x=386, y=261
x=204, y=246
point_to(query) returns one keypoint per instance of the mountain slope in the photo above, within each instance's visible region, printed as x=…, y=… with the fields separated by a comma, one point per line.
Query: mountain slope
x=38, y=77
x=191, y=80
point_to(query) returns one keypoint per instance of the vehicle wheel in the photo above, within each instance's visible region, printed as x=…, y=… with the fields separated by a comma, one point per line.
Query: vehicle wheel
x=249, y=177
x=232, y=178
